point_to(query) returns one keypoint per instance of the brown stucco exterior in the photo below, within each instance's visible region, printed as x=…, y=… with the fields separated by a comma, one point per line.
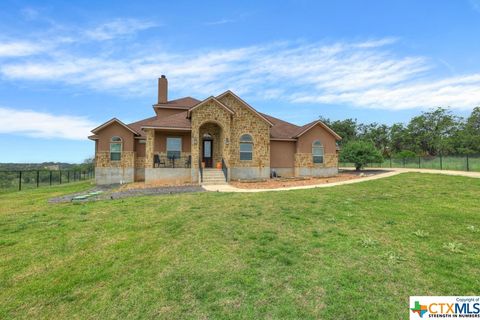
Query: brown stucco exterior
x=277, y=145
x=304, y=143
x=282, y=154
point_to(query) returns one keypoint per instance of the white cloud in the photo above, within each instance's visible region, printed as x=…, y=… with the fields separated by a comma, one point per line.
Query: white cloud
x=19, y=48
x=118, y=27
x=44, y=125
x=363, y=74
x=219, y=22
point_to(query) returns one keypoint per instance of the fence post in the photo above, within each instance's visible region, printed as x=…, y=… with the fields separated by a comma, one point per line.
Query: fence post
x=38, y=178
x=390, y=161
x=441, y=163
x=403, y=160
x=419, y=162
x=50, y=177
x=468, y=165
x=68, y=176
x=19, y=180
x=60, y=171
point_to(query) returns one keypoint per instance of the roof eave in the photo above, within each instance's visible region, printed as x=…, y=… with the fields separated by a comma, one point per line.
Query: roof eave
x=109, y=122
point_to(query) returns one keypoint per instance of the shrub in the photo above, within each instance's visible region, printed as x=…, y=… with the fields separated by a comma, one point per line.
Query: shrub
x=360, y=153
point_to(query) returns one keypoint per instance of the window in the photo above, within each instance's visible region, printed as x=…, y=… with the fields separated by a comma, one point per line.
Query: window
x=246, y=147
x=116, y=149
x=317, y=152
x=174, y=147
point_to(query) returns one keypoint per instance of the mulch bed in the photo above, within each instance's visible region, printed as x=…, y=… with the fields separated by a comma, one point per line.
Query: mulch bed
x=305, y=181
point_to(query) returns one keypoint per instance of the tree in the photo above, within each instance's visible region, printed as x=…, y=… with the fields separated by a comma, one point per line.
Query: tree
x=405, y=154
x=378, y=134
x=360, y=153
x=432, y=132
x=347, y=129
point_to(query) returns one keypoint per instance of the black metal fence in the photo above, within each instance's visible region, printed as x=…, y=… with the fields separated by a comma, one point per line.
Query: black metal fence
x=164, y=161
x=451, y=162
x=30, y=179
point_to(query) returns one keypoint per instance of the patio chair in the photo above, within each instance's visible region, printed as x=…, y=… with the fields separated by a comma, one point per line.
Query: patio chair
x=188, y=162
x=157, y=162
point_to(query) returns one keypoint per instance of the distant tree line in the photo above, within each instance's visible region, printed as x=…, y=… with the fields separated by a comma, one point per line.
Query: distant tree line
x=86, y=165
x=431, y=133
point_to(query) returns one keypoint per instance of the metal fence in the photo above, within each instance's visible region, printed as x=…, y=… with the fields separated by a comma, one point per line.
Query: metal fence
x=451, y=162
x=30, y=179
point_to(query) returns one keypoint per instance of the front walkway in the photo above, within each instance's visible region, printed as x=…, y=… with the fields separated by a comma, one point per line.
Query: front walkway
x=388, y=173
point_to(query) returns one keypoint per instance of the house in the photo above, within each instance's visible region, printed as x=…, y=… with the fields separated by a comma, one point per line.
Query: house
x=218, y=139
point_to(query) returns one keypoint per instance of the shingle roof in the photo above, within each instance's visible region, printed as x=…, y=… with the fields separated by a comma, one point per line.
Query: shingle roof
x=182, y=103
x=281, y=129
x=177, y=120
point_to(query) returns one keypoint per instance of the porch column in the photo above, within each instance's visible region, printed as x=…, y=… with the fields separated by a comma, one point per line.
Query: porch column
x=149, y=147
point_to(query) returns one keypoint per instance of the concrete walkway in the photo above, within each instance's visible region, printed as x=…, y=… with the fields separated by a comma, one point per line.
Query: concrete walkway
x=388, y=173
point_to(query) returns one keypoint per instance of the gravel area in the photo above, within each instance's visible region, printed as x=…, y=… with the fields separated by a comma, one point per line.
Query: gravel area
x=113, y=192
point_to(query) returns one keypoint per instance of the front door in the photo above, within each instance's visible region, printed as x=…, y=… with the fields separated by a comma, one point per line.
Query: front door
x=207, y=153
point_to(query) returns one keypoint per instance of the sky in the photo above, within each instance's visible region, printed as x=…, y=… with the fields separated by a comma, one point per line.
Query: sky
x=68, y=66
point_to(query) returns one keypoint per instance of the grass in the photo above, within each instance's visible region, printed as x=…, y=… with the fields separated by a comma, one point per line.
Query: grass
x=350, y=252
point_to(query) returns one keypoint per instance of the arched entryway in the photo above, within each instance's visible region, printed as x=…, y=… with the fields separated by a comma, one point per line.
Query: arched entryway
x=211, y=144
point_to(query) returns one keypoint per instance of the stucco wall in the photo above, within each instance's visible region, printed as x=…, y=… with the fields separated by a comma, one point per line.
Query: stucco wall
x=140, y=148
x=105, y=135
x=161, y=140
x=282, y=154
x=304, y=143
x=163, y=113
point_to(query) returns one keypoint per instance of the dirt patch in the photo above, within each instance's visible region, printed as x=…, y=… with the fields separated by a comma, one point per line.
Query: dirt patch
x=305, y=181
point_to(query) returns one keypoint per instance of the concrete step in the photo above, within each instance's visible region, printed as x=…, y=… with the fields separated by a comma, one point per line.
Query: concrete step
x=211, y=174
x=213, y=183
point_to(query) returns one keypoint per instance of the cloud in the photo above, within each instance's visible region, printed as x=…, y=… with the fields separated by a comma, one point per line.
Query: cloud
x=19, y=48
x=364, y=74
x=44, y=125
x=117, y=28
x=219, y=22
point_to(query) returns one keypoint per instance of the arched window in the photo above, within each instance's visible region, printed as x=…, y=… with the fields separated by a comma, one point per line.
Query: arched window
x=317, y=152
x=246, y=147
x=116, y=148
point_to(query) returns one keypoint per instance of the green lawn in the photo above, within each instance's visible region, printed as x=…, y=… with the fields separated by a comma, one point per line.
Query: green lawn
x=351, y=252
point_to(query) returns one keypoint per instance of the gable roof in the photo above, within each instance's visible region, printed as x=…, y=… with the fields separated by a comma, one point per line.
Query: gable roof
x=113, y=120
x=182, y=103
x=246, y=105
x=311, y=125
x=174, y=121
x=281, y=129
x=209, y=99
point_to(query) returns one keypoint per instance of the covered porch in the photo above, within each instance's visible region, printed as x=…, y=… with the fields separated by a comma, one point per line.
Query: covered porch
x=168, y=155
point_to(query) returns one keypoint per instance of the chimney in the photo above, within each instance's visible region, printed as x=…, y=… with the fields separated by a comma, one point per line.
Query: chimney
x=162, y=90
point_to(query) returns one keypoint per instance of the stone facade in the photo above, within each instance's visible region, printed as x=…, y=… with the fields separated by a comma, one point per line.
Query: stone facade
x=149, y=147
x=245, y=121
x=102, y=160
x=204, y=117
x=305, y=160
x=226, y=129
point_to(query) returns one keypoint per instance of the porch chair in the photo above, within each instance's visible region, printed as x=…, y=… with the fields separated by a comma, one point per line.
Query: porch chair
x=157, y=162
